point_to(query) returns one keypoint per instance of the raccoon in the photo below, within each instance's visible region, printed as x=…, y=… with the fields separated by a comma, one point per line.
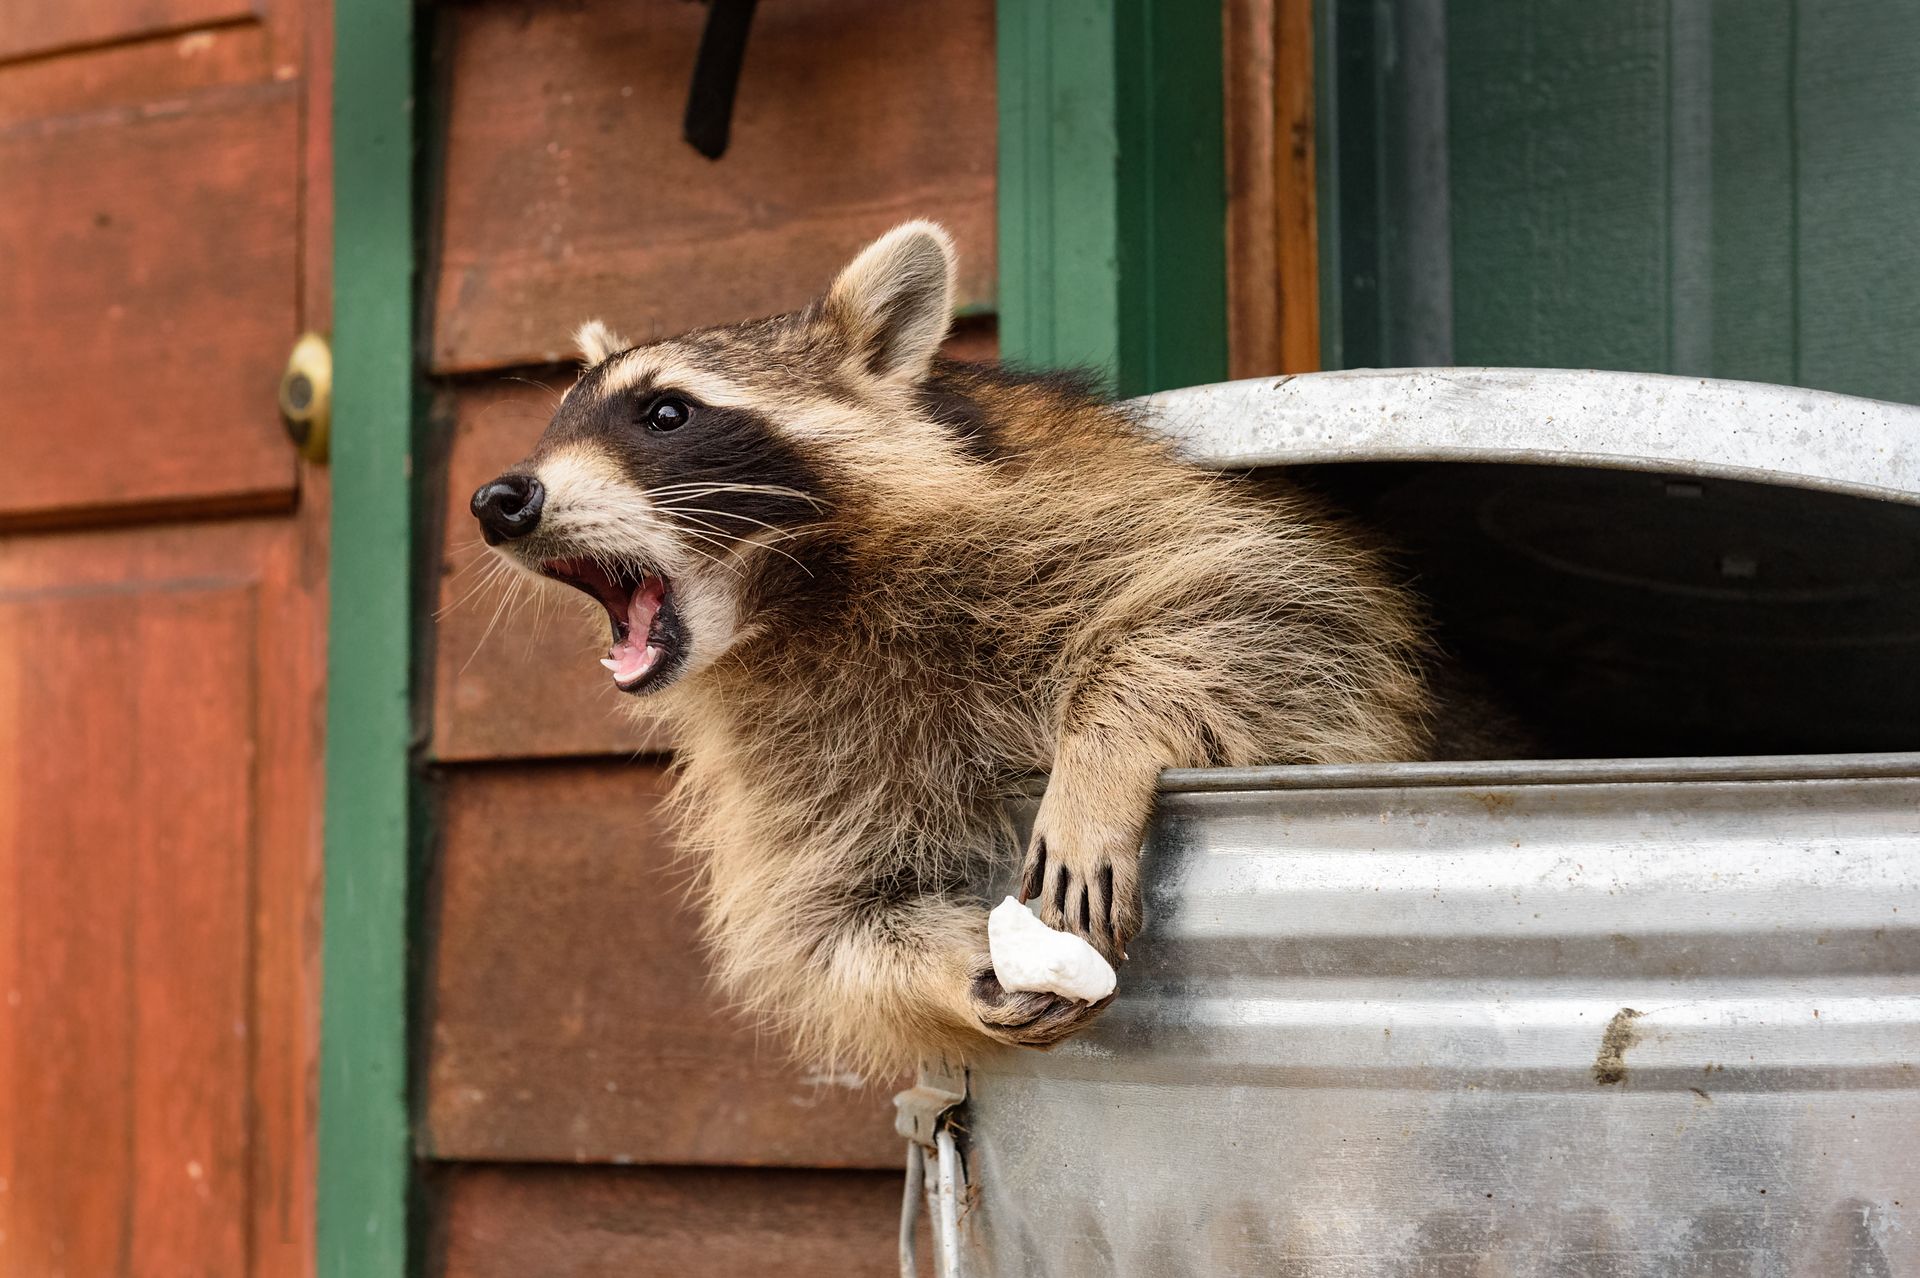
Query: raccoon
x=875, y=593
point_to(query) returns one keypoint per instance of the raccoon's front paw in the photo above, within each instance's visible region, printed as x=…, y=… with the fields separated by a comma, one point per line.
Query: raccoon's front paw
x=1084, y=883
x=1026, y=1019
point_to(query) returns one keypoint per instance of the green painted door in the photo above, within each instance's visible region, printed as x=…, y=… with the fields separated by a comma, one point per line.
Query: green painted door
x=1724, y=188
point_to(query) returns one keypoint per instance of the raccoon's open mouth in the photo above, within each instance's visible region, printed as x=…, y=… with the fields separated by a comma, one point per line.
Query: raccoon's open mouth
x=647, y=633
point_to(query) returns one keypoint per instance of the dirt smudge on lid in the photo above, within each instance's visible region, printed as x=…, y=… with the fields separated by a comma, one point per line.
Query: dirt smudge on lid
x=1610, y=1066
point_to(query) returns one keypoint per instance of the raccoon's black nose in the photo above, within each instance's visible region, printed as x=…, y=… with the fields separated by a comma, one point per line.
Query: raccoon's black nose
x=508, y=508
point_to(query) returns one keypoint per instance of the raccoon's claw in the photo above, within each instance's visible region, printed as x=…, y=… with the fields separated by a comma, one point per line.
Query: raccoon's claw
x=1089, y=897
x=1027, y=1019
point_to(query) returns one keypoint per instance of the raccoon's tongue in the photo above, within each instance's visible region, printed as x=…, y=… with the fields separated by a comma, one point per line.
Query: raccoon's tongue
x=631, y=655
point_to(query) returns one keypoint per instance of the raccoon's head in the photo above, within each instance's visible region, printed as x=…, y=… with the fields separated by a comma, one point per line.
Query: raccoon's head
x=681, y=482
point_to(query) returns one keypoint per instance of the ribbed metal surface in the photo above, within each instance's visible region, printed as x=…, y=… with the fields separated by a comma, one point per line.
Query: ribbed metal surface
x=1620, y=1019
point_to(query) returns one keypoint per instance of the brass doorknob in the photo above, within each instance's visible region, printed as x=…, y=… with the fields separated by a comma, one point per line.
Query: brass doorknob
x=306, y=396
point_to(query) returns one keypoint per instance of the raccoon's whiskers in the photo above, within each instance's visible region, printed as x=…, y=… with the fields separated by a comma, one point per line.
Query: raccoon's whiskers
x=721, y=536
x=470, y=544
x=498, y=609
x=540, y=618
x=492, y=563
x=714, y=539
x=554, y=395
x=711, y=488
x=617, y=565
x=489, y=578
x=726, y=514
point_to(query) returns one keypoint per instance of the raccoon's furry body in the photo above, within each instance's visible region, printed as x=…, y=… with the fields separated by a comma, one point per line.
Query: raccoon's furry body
x=986, y=575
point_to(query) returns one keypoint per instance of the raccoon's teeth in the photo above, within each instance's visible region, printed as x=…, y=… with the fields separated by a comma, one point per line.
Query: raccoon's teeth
x=630, y=662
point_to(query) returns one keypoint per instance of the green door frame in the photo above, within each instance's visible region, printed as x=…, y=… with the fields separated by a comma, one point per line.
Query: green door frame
x=364, y=1176
x=1113, y=190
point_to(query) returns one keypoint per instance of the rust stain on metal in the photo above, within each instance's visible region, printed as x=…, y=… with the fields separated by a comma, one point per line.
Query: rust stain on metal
x=1610, y=1066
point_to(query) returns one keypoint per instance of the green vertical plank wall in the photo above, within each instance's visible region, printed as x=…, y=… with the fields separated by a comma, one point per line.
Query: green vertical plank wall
x=1113, y=189
x=364, y=1173
x=1712, y=187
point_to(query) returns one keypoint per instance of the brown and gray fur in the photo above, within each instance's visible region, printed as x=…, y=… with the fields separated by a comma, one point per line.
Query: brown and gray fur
x=908, y=585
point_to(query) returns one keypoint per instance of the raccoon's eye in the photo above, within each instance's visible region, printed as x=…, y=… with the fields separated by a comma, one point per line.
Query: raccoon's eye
x=668, y=413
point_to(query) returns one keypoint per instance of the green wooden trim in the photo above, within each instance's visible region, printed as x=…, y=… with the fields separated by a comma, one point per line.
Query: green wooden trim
x=365, y=1160
x=1058, y=183
x=1113, y=189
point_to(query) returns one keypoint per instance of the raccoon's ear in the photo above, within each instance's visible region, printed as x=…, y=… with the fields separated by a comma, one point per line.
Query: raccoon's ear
x=895, y=301
x=596, y=341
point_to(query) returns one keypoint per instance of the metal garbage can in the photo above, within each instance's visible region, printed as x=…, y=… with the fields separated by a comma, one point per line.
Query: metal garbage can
x=1631, y=1016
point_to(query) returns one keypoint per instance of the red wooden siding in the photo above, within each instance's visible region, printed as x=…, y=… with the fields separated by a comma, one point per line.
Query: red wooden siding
x=570, y=194
x=668, y=1223
x=42, y=26
x=573, y=1018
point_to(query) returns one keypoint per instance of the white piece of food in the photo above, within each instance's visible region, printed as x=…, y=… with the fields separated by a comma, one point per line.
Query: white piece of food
x=1029, y=955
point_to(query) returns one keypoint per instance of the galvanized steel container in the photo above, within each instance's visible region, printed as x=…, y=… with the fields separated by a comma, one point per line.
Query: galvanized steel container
x=1628, y=1017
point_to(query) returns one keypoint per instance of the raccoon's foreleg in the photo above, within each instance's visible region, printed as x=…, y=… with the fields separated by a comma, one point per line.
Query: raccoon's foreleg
x=1083, y=862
